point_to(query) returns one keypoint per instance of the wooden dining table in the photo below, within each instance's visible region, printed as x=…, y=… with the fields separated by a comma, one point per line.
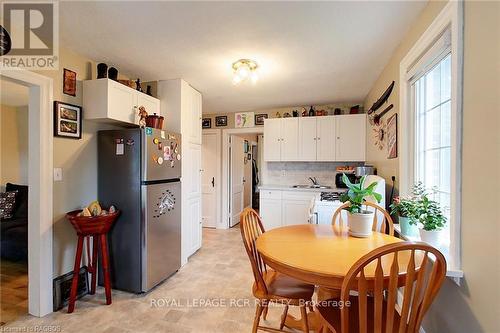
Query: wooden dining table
x=320, y=255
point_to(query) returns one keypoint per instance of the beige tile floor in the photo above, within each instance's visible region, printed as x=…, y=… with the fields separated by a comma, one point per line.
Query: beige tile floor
x=219, y=270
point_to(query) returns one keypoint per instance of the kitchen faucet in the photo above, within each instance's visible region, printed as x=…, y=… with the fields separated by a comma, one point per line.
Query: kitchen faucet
x=313, y=180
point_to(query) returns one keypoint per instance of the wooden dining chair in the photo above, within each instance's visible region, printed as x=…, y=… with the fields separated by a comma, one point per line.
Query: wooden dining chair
x=269, y=285
x=373, y=308
x=386, y=227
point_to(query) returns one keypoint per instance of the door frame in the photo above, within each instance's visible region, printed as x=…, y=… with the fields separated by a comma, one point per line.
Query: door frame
x=40, y=191
x=226, y=134
x=218, y=187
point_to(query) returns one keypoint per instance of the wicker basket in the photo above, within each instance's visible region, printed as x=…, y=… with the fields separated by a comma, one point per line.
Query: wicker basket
x=91, y=225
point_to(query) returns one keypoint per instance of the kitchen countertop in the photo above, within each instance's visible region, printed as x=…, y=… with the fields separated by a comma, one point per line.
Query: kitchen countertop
x=302, y=189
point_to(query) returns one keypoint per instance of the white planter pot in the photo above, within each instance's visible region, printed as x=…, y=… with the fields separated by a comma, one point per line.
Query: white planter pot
x=360, y=224
x=431, y=237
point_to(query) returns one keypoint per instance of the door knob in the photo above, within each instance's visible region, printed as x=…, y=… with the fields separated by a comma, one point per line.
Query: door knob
x=213, y=181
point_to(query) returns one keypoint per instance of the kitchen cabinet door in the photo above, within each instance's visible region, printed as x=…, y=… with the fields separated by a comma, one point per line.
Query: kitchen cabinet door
x=272, y=140
x=295, y=211
x=195, y=224
x=122, y=103
x=351, y=138
x=289, y=139
x=151, y=104
x=270, y=212
x=307, y=139
x=325, y=144
x=195, y=103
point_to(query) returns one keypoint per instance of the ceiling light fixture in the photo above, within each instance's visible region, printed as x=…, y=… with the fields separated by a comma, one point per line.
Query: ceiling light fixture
x=243, y=70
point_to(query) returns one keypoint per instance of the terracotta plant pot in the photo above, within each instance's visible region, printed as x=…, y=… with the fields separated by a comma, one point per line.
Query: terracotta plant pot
x=360, y=224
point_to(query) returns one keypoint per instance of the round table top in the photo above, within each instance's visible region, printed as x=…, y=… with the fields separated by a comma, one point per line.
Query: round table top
x=320, y=254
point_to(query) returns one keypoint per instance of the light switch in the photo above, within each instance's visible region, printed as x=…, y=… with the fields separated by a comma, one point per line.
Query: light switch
x=58, y=174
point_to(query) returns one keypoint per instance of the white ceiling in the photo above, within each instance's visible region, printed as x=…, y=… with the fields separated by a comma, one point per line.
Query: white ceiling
x=13, y=94
x=308, y=52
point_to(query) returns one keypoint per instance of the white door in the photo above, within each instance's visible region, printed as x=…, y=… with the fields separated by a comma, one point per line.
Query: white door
x=295, y=211
x=270, y=212
x=325, y=147
x=209, y=179
x=289, y=139
x=307, y=139
x=351, y=135
x=272, y=139
x=236, y=179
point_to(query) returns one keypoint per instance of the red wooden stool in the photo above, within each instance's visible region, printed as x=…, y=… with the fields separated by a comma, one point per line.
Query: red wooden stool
x=96, y=227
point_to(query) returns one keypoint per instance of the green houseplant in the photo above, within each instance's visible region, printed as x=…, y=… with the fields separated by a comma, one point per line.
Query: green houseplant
x=403, y=207
x=360, y=221
x=419, y=209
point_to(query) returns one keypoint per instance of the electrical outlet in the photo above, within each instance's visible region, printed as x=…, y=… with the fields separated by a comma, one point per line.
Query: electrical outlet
x=58, y=174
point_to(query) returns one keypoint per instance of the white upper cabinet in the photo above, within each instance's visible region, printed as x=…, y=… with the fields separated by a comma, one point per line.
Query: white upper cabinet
x=351, y=138
x=289, y=139
x=272, y=140
x=281, y=138
x=110, y=101
x=307, y=139
x=324, y=138
x=325, y=144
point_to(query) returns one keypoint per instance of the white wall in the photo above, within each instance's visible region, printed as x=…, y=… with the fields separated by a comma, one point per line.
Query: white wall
x=14, y=145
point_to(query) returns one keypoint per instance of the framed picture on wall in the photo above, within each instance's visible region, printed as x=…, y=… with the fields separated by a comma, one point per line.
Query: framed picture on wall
x=69, y=82
x=67, y=120
x=221, y=121
x=206, y=123
x=244, y=119
x=259, y=118
x=392, y=136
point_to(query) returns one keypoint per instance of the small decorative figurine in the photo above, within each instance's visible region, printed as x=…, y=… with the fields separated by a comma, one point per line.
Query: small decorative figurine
x=142, y=116
x=138, y=85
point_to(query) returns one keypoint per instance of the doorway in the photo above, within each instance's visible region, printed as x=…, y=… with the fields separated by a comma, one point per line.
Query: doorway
x=40, y=164
x=240, y=171
x=14, y=99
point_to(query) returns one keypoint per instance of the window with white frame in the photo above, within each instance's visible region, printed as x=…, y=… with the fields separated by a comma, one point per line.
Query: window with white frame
x=430, y=140
x=432, y=118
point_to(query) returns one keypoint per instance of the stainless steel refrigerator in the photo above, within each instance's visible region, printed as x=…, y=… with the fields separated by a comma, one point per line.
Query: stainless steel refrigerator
x=139, y=172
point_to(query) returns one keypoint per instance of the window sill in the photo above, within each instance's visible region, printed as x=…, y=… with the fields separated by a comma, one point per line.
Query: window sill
x=453, y=273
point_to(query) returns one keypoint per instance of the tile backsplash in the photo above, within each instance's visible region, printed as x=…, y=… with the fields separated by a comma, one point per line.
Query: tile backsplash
x=293, y=173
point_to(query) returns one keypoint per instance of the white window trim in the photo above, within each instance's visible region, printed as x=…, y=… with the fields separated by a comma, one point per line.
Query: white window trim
x=450, y=17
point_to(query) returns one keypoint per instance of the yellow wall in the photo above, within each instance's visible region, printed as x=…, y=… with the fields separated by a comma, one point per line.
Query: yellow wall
x=472, y=307
x=77, y=158
x=14, y=145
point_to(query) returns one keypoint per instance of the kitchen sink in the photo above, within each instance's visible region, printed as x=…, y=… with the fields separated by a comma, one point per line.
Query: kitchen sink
x=312, y=186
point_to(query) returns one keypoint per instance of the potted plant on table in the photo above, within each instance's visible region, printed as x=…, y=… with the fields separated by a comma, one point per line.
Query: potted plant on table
x=360, y=221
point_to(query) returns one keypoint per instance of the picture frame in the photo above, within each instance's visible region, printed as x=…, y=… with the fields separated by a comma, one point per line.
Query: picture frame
x=244, y=119
x=69, y=82
x=206, y=123
x=67, y=120
x=220, y=121
x=392, y=136
x=259, y=118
